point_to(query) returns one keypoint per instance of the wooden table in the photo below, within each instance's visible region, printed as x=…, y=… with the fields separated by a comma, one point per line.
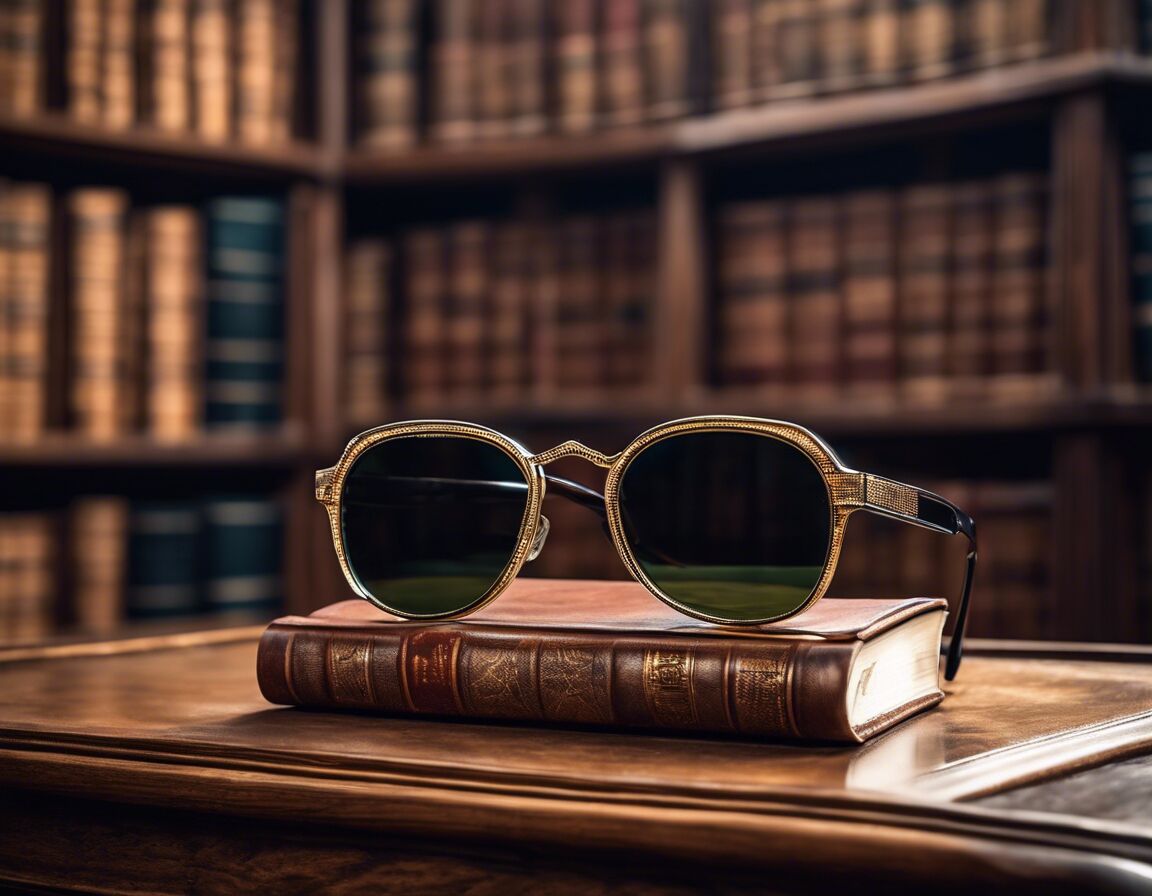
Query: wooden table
x=155, y=766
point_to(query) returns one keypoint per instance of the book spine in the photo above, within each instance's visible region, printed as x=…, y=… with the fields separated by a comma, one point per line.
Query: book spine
x=99, y=312
x=507, y=344
x=1140, y=205
x=814, y=290
x=968, y=346
x=245, y=327
x=526, y=60
x=424, y=342
x=21, y=57
x=164, y=559
x=766, y=58
x=255, y=73
x=170, y=101
x=989, y=30
x=925, y=224
x=453, y=61
x=466, y=311
x=572, y=678
x=27, y=579
x=285, y=69
x=621, y=42
x=880, y=42
x=928, y=30
x=576, y=66
x=870, y=292
x=118, y=75
x=1029, y=28
x=175, y=314
x=666, y=58
x=388, y=54
x=797, y=44
x=26, y=224
x=99, y=540
x=840, y=44
x=628, y=266
x=494, y=94
x=369, y=279
x=1020, y=322
x=212, y=69
x=243, y=546
x=754, y=311
x=579, y=315
x=85, y=49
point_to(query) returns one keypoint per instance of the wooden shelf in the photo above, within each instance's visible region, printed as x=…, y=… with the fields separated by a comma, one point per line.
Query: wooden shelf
x=63, y=450
x=62, y=137
x=876, y=111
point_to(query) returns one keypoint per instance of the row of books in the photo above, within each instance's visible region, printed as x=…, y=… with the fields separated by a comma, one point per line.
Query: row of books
x=926, y=293
x=222, y=69
x=497, y=69
x=173, y=320
x=501, y=310
x=1140, y=213
x=106, y=559
x=884, y=558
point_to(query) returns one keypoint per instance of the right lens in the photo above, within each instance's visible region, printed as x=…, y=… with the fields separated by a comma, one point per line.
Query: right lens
x=431, y=522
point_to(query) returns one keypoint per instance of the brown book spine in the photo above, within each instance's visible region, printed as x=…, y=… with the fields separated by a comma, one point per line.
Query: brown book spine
x=466, y=310
x=118, y=75
x=526, y=62
x=7, y=402
x=666, y=58
x=925, y=238
x=98, y=389
x=797, y=49
x=170, y=101
x=577, y=70
x=870, y=293
x=507, y=348
x=968, y=345
x=732, y=53
x=629, y=255
x=814, y=291
x=28, y=588
x=928, y=31
x=989, y=32
x=494, y=94
x=621, y=43
x=579, y=314
x=1029, y=28
x=27, y=224
x=369, y=279
x=766, y=62
x=99, y=541
x=713, y=685
x=753, y=314
x=85, y=49
x=840, y=44
x=388, y=79
x=22, y=57
x=880, y=42
x=1020, y=322
x=285, y=69
x=454, y=61
x=212, y=69
x=174, y=310
x=424, y=337
x=255, y=88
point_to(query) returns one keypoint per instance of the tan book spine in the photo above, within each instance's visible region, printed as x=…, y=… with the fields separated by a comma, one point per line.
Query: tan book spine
x=369, y=279
x=453, y=59
x=7, y=403
x=928, y=31
x=494, y=94
x=788, y=688
x=28, y=224
x=99, y=539
x=21, y=68
x=577, y=68
x=118, y=74
x=526, y=61
x=1029, y=28
x=630, y=279
x=881, y=42
x=766, y=61
x=98, y=395
x=467, y=301
x=424, y=320
x=733, y=37
x=840, y=44
x=174, y=300
x=85, y=51
x=925, y=237
x=285, y=69
x=797, y=50
x=33, y=606
x=666, y=58
x=754, y=311
x=508, y=333
x=256, y=36
x=546, y=273
x=814, y=291
x=870, y=293
x=970, y=335
x=1020, y=320
x=580, y=338
x=7, y=577
x=170, y=106
x=989, y=31
x=212, y=69
x=623, y=69
x=388, y=79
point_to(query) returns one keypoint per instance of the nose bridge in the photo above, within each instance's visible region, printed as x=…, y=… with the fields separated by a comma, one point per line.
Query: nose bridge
x=572, y=448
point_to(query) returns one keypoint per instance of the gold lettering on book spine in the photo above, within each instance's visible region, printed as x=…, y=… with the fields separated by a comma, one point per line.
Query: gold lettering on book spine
x=575, y=683
x=668, y=687
x=760, y=694
x=349, y=675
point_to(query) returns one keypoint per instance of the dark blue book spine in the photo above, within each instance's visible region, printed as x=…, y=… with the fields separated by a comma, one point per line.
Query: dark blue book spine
x=1141, y=216
x=244, y=361
x=164, y=559
x=243, y=551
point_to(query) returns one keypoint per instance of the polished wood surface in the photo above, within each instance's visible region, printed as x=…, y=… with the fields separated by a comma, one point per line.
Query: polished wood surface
x=177, y=728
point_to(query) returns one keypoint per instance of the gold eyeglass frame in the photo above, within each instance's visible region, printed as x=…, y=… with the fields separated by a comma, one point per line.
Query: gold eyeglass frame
x=848, y=492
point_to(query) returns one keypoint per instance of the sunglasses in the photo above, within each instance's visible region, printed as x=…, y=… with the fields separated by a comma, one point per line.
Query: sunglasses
x=734, y=520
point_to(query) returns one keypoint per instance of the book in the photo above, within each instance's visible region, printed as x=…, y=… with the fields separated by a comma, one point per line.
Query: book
x=466, y=313
x=212, y=42
x=83, y=59
x=369, y=289
x=879, y=35
x=621, y=42
x=608, y=653
x=243, y=548
x=256, y=72
x=493, y=91
x=666, y=58
x=424, y=318
x=814, y=291
x=244, y=341
x=526, y=61
x=98, y=537
x=388, y=83
x=164, y=556
x=22, y=57
x=924, y=264
x=796, y=46
x=507, y=345
x=170, y=98
x=1140, y=216
x=579, y=318
x=453, y=106
x=870, y=292
x=118, y=64
x=972, y=296
x=576, y=65
x=928, y=31
x=840, y=45
x=28, y=584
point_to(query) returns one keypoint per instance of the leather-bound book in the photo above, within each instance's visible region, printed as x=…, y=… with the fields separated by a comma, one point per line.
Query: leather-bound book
x=814, y=288
x=506, y=346
x=576, y=65
x=732, y=53
x=666, y=55
x=22, y=56
x=608, y=653
x=840, y=46
x=118, y=72
x=169, y=92
x=387, y=85
x=212, y=68
x=525, y=66
x=870, y=293
x=623, y=69
x=796, y=48
x=927, y=31
x=880, y=42
x=925, y=245
x=453, y=57
x=465, y=311
x=424, y=364
x=368, y=269
x=969, y=338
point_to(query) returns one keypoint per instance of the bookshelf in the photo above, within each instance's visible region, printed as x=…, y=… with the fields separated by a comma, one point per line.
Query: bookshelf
x=1079, y=108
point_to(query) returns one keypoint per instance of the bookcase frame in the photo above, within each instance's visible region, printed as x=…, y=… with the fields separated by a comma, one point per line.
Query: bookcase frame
x=1090, y=425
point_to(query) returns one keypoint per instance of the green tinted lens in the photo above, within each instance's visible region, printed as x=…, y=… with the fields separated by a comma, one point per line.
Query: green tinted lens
x=731, y=525
x=430, y=523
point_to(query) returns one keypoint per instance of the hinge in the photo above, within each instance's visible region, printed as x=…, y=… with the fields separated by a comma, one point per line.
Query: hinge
x=324, y=485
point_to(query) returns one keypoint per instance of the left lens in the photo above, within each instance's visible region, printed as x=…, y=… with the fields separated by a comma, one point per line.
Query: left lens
x=431, y=522
x=734, y=526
